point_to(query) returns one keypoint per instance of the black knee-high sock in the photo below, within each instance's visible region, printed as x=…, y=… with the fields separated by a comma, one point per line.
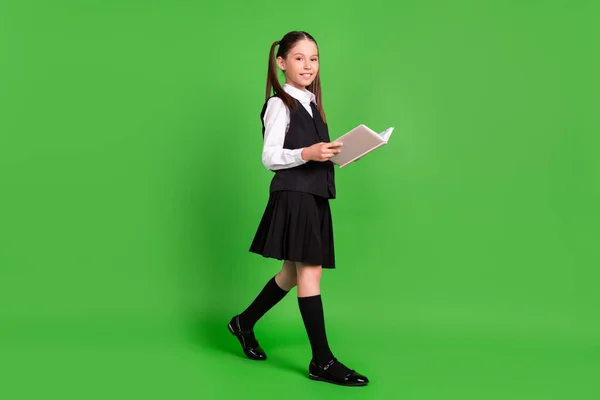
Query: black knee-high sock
x=311, y=309
x=270, y=295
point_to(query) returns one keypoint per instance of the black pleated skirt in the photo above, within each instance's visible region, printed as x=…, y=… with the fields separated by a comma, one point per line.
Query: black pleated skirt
x=296, y=226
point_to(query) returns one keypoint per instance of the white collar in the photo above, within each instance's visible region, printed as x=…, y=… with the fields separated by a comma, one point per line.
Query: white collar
x=304, y=96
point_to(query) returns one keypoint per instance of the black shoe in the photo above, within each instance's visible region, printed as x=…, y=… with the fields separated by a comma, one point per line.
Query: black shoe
x=249, y=344
x=337, y=373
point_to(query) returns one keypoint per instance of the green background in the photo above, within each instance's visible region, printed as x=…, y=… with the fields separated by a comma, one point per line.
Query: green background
x=131, y=186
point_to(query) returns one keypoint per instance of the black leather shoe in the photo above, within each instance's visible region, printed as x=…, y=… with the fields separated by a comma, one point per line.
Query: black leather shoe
x=249, y=344
x=337, y=373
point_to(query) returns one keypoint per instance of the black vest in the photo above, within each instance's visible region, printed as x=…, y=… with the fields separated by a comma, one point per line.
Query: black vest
x=313, y=177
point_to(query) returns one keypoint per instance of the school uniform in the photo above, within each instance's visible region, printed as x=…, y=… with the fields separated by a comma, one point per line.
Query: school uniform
x=296, y=224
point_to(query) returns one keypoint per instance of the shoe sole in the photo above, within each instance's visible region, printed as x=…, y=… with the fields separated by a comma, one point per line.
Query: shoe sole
x=317, y=378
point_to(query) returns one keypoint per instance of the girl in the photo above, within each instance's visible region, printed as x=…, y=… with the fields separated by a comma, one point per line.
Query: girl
x=296, y=226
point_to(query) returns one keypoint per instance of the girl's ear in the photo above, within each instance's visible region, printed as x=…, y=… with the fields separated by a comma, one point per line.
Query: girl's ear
x=281, y=63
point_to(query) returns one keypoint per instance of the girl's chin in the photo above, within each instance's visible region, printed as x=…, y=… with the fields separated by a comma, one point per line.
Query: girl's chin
x=302, y=84
x=306, y=82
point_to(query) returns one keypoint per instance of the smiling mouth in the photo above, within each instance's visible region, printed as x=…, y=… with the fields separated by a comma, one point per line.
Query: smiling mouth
x=306, y=75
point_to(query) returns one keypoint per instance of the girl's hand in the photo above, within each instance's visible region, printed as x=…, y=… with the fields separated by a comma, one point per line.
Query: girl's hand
x=321, y=151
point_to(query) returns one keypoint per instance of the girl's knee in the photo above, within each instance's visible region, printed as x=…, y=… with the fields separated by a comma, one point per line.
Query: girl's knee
x=308, y=273
x=286, y=278
x=289, y=267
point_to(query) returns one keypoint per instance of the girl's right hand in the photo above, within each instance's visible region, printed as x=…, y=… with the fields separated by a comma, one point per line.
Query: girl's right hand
x=321, y=151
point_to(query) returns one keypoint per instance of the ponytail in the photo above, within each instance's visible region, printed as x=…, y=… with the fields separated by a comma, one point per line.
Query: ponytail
x=315, y=87
x=273, y=81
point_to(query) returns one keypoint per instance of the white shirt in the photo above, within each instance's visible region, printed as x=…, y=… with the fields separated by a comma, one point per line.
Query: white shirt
x=277, y=122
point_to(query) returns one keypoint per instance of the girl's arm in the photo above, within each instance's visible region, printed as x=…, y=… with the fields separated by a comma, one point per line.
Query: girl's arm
x=276, y=121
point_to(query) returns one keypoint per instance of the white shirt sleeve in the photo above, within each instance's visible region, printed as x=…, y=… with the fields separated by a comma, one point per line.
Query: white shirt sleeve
x=276, y=120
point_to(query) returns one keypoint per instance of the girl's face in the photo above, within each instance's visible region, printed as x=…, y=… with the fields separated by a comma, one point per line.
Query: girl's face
x=301, y=64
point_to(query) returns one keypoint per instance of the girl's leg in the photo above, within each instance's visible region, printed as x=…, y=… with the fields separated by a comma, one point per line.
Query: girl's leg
x=323, y=366
x=311, y=309
x=275, y=290
x=242, y=325
x=286, y=278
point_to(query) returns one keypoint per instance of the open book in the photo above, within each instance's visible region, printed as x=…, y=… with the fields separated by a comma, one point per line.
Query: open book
x=358, y=142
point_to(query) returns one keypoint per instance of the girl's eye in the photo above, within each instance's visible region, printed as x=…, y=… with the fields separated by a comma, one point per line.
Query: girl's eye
x=314, y=60
x=299, y=58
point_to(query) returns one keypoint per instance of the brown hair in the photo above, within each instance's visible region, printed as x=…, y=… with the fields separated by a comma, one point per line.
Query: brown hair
x=285, y=44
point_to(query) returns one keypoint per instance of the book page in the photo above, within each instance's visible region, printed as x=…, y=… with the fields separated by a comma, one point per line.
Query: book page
x=385, y=135
x=356, y=143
